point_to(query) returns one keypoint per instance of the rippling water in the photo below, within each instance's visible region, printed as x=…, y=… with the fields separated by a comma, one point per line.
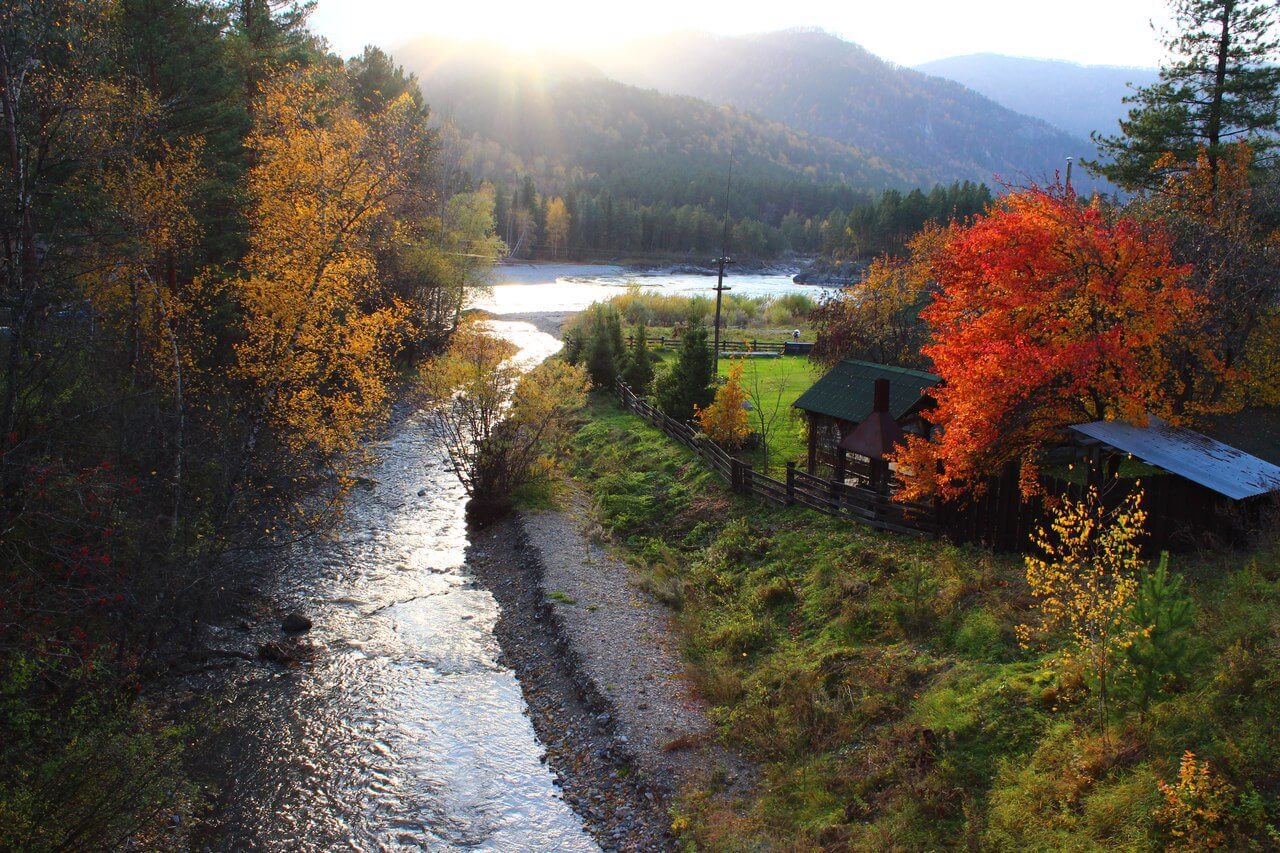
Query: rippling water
x=401, y=731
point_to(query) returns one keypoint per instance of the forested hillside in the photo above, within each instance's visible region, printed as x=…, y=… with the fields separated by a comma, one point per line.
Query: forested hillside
x=221, y=242
x=817, y=82
x=640, y=171
x=1080, y=99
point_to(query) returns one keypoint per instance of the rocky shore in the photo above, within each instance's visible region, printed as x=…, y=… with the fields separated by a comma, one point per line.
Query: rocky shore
x=599, y=662
x=595, y=768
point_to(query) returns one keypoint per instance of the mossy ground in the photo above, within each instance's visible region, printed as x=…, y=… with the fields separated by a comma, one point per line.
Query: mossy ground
x=877, y=682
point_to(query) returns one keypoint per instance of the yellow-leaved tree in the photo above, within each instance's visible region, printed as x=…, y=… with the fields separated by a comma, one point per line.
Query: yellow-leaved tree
x=501, y=427
x=321, y=328
x=726, y=420
x=1084, y=580
x=557, y=224
x=134, y=285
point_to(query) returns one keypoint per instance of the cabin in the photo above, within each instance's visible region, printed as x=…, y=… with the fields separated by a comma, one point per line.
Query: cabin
x=884, y=400
x=1196, y=487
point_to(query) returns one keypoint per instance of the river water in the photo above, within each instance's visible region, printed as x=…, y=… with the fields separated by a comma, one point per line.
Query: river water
x=403, y=730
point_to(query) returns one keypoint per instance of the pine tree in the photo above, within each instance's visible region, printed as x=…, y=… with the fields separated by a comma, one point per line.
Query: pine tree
x=683, y=388
x=638, y=372
x=1162, y=648
x=1221, y=87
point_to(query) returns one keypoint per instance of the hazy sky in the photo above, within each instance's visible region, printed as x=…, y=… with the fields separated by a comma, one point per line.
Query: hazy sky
x=1112, y=32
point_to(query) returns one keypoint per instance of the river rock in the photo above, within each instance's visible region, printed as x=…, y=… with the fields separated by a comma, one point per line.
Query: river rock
x=295, y=623
x=274, y=651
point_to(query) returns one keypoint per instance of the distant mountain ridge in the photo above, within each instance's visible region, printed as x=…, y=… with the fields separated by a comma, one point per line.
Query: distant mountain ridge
x=819, y=83
x=551, y=114
x=1078, y=98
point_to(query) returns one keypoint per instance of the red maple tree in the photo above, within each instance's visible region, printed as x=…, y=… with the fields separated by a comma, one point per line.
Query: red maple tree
x=1049, y=312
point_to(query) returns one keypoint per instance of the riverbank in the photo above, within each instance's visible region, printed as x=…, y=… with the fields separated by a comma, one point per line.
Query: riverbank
x=600, y=666
x=878, y=683
x=575, y=722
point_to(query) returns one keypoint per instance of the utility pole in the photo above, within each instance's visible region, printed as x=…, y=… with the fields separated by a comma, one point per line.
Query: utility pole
x=721, y=262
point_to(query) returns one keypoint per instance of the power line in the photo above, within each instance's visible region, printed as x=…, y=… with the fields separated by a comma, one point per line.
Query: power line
x=721, y=261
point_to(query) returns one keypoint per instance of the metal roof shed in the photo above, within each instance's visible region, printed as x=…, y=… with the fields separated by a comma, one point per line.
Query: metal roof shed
x=1225, y=469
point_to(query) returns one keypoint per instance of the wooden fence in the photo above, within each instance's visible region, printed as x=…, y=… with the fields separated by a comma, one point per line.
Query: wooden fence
x=780, y=347
x=858, y=503
x=1180, y=514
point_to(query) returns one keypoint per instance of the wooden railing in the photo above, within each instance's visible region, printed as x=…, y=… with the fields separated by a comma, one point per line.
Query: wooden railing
x=1179, y=513
x=855, y=502
x=780, y=347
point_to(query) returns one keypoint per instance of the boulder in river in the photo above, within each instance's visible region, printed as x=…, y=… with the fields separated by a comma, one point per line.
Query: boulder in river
x=274, y=651
x=295, y=623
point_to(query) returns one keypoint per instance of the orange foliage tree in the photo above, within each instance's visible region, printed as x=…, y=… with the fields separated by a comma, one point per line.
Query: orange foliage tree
x=1049, y=312
x=879, y=317
x=1218, y=217
x=725, y=420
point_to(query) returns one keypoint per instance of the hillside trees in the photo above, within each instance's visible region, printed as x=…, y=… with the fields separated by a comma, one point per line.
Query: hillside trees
x=1220, y=87
x=206, y=222
x=557, y=225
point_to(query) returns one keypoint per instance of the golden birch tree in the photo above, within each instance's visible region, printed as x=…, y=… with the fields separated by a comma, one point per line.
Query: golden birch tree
x=321, y=329
x=1084, y=579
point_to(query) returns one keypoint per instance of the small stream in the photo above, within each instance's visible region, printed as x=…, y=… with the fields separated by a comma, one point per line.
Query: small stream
x=402, y=730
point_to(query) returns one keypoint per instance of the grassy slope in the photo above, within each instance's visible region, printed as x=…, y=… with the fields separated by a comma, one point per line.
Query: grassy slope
x=780, y=382
x=877, y=682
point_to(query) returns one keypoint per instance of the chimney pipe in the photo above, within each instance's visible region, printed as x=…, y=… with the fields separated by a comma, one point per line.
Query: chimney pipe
x=881, y=403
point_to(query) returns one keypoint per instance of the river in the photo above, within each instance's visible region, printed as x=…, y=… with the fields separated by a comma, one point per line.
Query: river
x=403, y=730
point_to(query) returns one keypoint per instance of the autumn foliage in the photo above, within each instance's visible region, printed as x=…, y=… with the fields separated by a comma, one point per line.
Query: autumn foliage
x=1049, y=312
x=1196, y=806
x=1084, y=578
x=725, y=420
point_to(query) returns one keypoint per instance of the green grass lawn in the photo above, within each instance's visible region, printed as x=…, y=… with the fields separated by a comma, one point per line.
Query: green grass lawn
x=777, y=383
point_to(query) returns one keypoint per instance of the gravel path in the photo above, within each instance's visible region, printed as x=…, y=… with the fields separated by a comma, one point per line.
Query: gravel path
x=627, y=648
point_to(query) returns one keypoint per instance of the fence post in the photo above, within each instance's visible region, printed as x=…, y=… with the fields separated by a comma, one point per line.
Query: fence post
x=736, y=480
x=791, y=483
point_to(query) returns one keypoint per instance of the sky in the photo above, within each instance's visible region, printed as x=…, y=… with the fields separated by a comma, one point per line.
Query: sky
x=908, y=32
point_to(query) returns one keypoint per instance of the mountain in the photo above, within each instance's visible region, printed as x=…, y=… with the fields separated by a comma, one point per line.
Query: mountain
x=559, y=118
x=1077, y=98
x=816, y=82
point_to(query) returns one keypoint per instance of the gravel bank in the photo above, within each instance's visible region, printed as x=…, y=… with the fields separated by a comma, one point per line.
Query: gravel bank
x=627, y=650
x=596, y=770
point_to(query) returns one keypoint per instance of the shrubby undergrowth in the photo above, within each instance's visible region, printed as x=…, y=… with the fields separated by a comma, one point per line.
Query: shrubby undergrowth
x=878, y=682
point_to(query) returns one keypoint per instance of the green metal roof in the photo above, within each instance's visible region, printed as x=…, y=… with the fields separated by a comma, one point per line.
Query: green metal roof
x=847, y=390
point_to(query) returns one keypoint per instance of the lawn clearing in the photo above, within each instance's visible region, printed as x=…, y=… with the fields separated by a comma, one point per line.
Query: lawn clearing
x=774, y=384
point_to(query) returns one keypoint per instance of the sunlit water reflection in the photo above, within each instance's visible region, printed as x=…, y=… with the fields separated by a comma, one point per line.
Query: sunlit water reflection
x=527, y=288
x=403, y=731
